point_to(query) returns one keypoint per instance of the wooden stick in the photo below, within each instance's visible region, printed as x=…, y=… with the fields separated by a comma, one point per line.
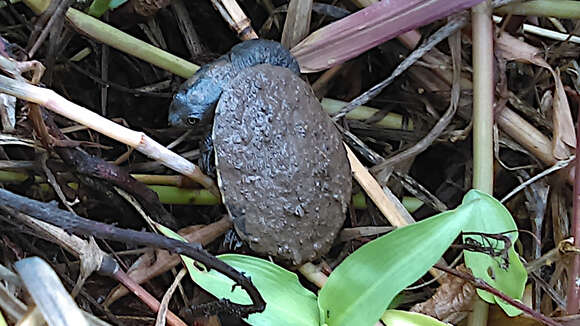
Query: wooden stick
x=385, y=200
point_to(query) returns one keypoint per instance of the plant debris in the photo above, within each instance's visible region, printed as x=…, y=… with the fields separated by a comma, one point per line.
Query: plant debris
x=85, y=89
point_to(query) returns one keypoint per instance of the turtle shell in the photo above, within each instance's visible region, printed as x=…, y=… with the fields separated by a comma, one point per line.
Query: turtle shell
x=282, y=168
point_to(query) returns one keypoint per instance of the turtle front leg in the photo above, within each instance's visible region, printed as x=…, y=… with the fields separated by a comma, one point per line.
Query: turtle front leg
x=207, y=156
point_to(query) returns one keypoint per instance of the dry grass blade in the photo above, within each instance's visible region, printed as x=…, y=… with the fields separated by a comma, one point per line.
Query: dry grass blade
x=451, y=27
x=161, y=314
x=391, y=207
x=236, y=18
x=297, y=22
x=87, y=250
x=190, y=35
x=369, y=27
x=510, y=48
x=54, y=302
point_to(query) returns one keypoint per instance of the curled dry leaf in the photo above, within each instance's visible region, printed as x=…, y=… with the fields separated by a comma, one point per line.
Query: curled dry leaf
x=510, y=48
x=452, y=297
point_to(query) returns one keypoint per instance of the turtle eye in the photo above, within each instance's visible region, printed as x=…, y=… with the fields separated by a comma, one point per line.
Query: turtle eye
x=192, y=121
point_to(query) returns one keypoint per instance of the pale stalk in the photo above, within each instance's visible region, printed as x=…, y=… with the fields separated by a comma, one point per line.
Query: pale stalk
x=483, y=94
x=544, y=8
x=124, y=42
x=483, y=91
x=297, y=23
x=138, y=140
x=236, y=18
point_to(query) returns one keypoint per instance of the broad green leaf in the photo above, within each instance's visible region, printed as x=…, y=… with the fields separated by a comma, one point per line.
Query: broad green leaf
x=287, y=302
x=359, y=290
x=490, y=216
x=406, y=318
x=98, y=7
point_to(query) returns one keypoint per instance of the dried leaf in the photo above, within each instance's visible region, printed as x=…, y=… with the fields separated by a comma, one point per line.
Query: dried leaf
x=510, y=48
x=564, y=133
x=453, y=296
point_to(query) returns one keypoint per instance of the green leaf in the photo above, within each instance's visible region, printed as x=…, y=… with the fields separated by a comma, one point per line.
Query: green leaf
x=492, y=217
x=361, y=288
x=98, y=7
x=287, y=302
x=406, y=318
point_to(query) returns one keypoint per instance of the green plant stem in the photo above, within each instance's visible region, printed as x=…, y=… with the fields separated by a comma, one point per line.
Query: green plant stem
x=124, y=42
x=175, y=195
x=545, y=8
x=483, y=91
x=362, y=113
x=411, y=204
x=16, y=177
x=183, y=196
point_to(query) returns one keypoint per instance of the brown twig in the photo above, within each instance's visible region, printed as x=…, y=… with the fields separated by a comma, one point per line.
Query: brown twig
x=483, y=285
x=155, y=263
x=78, y=225
x=146, y=297
x=87, y=166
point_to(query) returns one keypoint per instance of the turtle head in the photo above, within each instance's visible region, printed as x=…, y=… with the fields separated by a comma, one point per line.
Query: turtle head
x=194, y=103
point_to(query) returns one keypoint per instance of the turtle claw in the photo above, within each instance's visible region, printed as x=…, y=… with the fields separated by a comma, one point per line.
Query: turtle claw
x=207, y=158
x=232, y=240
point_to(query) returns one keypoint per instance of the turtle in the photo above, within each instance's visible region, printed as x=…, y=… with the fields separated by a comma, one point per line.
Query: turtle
x=280, y=163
